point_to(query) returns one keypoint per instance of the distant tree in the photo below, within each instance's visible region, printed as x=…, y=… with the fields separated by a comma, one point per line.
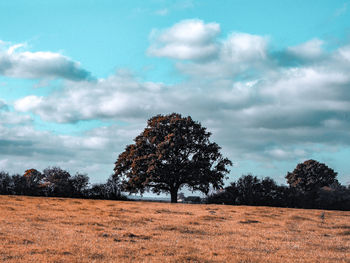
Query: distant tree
x=311, y=176
x=34, y=180
x=97, y=191
x=5, y=183
x=181, y=196
x=250, y=190
x=57, y=181
x=113, y=188
x=335, y=196
x=20, y=185
x=271, y=193
x=171, y=152
x=79, y=183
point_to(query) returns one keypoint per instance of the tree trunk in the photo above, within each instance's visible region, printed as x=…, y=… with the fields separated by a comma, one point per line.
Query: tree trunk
x=173, y=193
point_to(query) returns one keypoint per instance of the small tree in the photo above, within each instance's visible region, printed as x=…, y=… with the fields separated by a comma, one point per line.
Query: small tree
x=97, y=191
x=5, y=183
x=311, y=176
x=20, y=185
x=34, y=179
x=113, y=188
x=57, y=181
x=79, y=183
x=171, y=152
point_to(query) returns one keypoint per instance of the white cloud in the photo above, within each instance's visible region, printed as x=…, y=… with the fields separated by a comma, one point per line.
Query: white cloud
x=309, y=50
x=8, y=117
x=344, y=53
x=291, y=108
x=238, y=54
x=118, y=97
x=258, y=105
x=188, y=39
x=11, y=49
x=28, y=103
x=22, y=146
x=242, y=47
x=26, y=64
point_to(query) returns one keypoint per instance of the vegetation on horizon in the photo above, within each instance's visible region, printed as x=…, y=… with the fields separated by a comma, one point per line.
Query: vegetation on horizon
x=175, y=151
x=56, y=182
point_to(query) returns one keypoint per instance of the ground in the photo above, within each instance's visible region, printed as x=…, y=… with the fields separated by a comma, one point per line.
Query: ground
x=38, y=229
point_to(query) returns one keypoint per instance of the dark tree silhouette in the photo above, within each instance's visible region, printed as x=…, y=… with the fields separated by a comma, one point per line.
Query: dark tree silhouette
x=5, y=183
x=34, y=180
x=20, y=185
x=113, y=188
x=57, y=181
x=79, y=183
x=97, y=191
x=171, y=152
x=311, y=176
x=250, y=190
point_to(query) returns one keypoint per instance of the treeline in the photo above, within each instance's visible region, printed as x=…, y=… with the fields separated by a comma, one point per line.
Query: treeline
x=56, y=182
x=250, y=190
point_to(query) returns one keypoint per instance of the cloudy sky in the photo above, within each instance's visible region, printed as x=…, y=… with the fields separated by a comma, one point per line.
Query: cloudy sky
x=270, y=80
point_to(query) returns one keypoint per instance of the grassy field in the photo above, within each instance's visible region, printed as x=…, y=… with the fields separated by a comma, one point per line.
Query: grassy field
x=74, y=230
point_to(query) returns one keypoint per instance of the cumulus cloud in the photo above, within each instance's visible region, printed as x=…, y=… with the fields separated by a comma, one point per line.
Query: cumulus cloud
x=9, y=117
x=26, y=64
x=23, y=146
x=260, y=104
x=257, y=119
x=118, y=97
x=188, y=39
x=239, y=54
x=242, y=47
x=309, y=50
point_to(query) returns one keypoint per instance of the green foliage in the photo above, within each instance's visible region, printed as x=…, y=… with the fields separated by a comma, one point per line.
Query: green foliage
x=171, y=152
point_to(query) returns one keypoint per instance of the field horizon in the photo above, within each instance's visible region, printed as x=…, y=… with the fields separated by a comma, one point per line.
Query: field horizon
x=47, y=229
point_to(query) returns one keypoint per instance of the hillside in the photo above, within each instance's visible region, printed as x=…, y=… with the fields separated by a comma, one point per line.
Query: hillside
x=37, y=229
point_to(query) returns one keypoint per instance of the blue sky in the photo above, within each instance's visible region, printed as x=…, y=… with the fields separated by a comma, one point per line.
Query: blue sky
x=270, y=79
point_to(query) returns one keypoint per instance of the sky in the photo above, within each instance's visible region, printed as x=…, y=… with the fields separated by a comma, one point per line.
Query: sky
x=269, y=79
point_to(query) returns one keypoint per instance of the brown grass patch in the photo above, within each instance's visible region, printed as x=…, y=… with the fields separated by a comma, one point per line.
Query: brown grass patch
x=181, y=229
x=342, y=227
x=300, y=218
x=167, y=211
x=345, y=233
x=212, y=218
x=39, y=229
x=249, y=221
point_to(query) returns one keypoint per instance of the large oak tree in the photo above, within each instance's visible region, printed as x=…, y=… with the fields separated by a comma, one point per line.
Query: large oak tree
x=172, y=152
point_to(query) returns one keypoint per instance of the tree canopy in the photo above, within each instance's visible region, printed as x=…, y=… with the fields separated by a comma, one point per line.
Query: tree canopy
x=311, y=175
x=172, y=152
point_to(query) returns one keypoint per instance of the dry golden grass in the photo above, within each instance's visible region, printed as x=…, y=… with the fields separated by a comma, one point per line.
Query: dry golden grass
x=72, y=230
